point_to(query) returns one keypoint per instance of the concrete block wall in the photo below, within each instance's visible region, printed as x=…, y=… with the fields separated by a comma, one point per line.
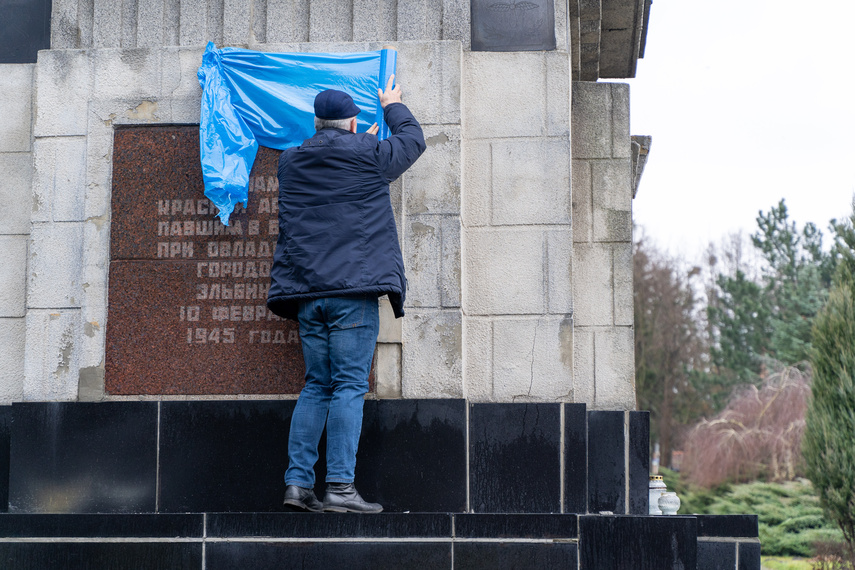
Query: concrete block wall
x=604, y=368
x=153, y=23
x=517, y=233
x=432, y=358
x=79, y=96
x=519, y=288
x=16, y=163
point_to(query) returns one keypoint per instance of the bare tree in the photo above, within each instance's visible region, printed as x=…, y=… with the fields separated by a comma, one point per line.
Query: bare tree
x=669, y=345
x=758, y=434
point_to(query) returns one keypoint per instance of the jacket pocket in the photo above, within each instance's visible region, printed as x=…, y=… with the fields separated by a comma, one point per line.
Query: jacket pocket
x=326, y=246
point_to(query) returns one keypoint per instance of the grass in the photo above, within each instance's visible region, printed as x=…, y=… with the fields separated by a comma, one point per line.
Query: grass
x=790, y=518
x=784, y=563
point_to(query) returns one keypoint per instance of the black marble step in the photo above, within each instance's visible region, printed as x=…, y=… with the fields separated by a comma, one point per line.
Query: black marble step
x=387, y=540
x=231, y=455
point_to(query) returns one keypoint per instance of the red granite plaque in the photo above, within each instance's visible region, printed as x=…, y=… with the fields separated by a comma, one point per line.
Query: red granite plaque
x=187, y=296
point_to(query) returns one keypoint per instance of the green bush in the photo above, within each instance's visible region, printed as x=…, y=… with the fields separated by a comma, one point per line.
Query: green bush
x=791, y=520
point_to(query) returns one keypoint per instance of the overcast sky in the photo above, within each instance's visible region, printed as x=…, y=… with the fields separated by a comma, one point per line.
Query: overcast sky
x=748, y=102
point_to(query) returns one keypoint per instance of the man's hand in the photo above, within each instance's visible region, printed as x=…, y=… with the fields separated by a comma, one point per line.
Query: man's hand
x=373, y=129
x=390, y=95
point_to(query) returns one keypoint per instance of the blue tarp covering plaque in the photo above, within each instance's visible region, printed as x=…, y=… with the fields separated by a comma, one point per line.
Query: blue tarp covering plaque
x=253, y=98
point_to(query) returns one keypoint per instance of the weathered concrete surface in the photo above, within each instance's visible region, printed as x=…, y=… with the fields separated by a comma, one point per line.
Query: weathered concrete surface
x=13, y=276
x=13, y=334
x=602, y=246
x=16, y=95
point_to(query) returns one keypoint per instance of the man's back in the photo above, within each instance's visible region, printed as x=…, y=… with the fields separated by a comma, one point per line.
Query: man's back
x=337, y=233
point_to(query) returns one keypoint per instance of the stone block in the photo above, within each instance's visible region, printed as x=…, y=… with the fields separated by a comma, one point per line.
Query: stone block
x=178, y=72
x=59, y=183
x=237, y=20
x=258, y=28
x=615, y=369
x=51, y=355
x=591, y=116
x=331, y=21
x=63, y=82
x=581, y=195
x=193, y=26
x=374, y=20
x=432, y=359
x=562, y=30
x=476, y=195
x=107, y=23
x=12, y=339
x=16, y=100
x=129, y=23
x=185, y=109
x=432, y=261
x=432, y=184
x=64, y=30
x=150, y=23
x=504, y=94
x=127, y=73
x=419, y=20
x=396, y=197
x=214, y=22
x=531, y=182
x=430, y=73
x=56, y=255
x=456, y=22
x=16, y=192
x=478, y=359
x=390, y=327
x=592, y=284
x=533, y=359
x=287, y=21
x=13, y=277
x=621, y=142
x=422, y=260
x=387, y=370
x=450, y=276
x=130, y=111
x=583, y=365
x=557, y=90
x=99, y=167
x=504, y=271
x=623, y=284
x=559, y=261
x=96, y=262
x=612, y=192
x=172, y=14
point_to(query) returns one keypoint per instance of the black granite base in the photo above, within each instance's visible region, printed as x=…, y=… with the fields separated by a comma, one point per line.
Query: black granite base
x=83, y=457
x=96, y=555
x=630, y=542
x=386, y=540
x=231, y=455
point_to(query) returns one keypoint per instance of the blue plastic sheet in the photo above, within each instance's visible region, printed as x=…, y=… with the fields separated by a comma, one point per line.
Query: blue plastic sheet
x=253, y=98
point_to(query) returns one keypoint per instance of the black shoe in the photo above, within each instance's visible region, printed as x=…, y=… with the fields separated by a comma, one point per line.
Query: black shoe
x=302, y=499
x=344, y=498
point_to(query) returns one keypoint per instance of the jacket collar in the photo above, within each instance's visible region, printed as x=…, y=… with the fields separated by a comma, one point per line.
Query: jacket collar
x=323, y=136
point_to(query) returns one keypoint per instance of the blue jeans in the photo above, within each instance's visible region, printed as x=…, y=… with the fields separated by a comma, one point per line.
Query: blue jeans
x=338, y=336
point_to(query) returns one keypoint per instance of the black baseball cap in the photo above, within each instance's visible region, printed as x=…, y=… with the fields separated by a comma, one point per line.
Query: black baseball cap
x=333, y=104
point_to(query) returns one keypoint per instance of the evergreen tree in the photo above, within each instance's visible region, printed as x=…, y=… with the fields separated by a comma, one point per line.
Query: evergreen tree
x=753, y=322
x=829, y=442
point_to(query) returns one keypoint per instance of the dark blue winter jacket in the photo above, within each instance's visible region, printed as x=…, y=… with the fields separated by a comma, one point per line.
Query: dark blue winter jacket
x=337, y=233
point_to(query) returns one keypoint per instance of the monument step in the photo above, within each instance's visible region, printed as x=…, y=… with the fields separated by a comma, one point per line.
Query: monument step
x=398, y=541
x=231, y=455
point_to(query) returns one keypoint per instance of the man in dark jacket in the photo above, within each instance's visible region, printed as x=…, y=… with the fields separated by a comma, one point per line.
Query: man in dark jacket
x=337, y=252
